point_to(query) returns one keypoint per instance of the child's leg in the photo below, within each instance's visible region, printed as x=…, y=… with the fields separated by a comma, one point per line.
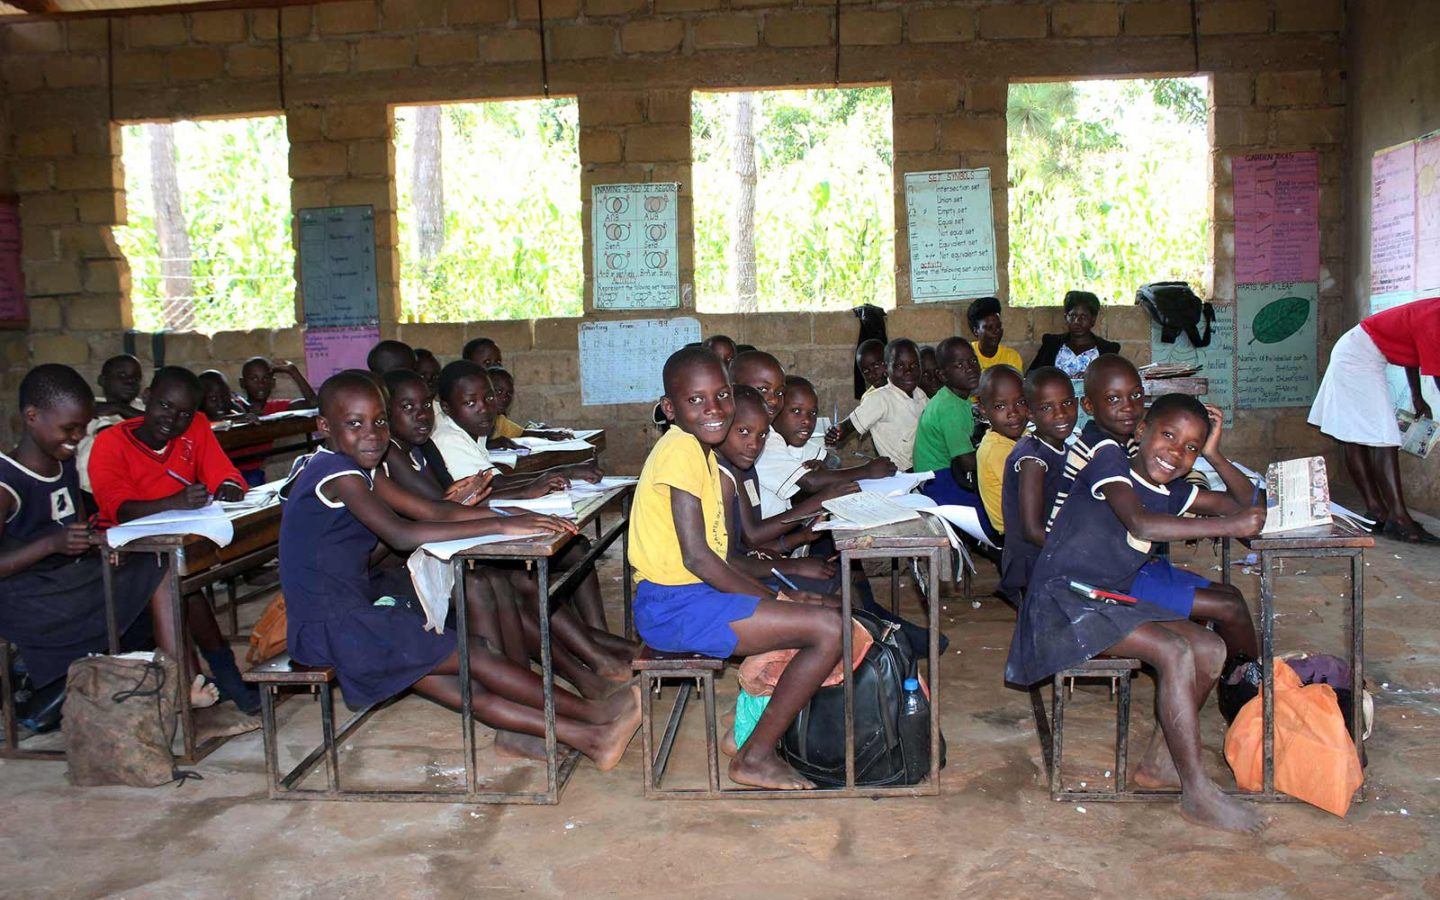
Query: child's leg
x=205, y=631
x=510, y=698
x=588, y=603
x=1224, y=605
x=568, y=628
x=1187, y=660
x=777, y=625
x=512, y=631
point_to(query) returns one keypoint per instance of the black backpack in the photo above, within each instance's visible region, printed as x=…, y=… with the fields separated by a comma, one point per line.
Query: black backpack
x=1176, y=308
x=815, y=742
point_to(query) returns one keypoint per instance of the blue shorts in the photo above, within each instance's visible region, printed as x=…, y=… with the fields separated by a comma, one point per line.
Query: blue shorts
x=690, y=618
x=1166, y=586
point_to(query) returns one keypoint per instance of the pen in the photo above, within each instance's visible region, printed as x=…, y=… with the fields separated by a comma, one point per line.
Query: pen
x=1255, y=496
x=178, y=477
x=782, y=579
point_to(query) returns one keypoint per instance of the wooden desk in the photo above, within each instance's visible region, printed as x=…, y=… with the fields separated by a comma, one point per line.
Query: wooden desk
x=1339, y=540
x=239, y=437
x=538, y=550
x=535, y=463
x=1193, y=385
x=195, y=563
x=917, y=539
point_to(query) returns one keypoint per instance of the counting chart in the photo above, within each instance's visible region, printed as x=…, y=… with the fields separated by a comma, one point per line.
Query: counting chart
x=621, y=362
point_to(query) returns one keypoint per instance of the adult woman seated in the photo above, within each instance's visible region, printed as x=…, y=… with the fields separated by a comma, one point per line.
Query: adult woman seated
x=1073, y=351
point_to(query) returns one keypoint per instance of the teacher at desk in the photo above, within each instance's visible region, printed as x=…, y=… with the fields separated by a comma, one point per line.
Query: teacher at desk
x=1353, y=406
x=1073, y=351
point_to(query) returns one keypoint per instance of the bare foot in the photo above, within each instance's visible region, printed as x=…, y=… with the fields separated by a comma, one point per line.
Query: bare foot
x=616, y=644
x=727, y=743
x=203, y=693
x=615, y=668
x=614, y=737
x=617, y=702
x=1210, y=807
x=596, y=687
x=1156, y=770
x=766, y=770
x=514, y=745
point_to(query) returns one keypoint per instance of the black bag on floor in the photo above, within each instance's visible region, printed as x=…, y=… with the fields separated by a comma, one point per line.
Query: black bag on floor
x=815, y=742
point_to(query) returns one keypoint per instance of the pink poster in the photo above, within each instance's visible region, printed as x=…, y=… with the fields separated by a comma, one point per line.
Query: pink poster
x=1277, y=217
x=1427, y=213
x=12, y=280
x=1392, y=220
x=331, y=350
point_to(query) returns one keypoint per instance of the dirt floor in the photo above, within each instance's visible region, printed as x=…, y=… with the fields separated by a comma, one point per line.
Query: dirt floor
x=994, y=832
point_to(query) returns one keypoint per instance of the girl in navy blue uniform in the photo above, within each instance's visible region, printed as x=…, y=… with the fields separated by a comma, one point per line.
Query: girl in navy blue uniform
x=338, y=505
x=1033, y=472
x=1102, y=538
x=52, y=598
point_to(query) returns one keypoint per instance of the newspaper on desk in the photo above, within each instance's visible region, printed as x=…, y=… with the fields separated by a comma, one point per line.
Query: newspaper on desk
x=1338, y=511
x=1297, y=495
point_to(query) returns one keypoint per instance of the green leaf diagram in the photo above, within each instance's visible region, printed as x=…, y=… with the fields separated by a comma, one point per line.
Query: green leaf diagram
x=1279, y=319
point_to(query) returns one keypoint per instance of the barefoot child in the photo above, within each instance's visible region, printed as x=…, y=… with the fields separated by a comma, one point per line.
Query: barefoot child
x=1032, y=475
x=890, y=413
x=688, y=599
x=337, y=506
x=50, y=571
x=1002, y=402
x=942, y=438
x=1102, y=538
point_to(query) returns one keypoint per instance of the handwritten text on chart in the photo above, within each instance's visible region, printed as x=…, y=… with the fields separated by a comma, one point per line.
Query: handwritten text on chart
x=621, y=362
x=1277, y=342
x=1277, y=217
x=337, y=266
x=331, y=350
x=1216, y=360
x=952, y=234
x=637, y=261
x=1392, y=220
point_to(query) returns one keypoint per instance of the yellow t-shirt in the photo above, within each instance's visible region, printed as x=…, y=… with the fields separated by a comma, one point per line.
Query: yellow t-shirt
x=990, y=469
x=676, y=461
x=505, y=427
x=1004, y=356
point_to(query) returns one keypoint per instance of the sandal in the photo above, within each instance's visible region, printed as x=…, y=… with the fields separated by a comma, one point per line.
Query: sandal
x=1411, y=534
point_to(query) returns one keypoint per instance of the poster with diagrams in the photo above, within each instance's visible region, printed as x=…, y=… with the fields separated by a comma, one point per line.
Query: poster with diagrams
x=637, y=261
x=337, y=266
x=622, y=361
x=1276, y=342
x=1277, y=217
x=952, y=235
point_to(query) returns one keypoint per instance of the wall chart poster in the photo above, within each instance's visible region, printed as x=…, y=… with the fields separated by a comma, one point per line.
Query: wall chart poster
x=1392, y=220
x=1277, y=217
x=1427, y=213
x=1276, y=340
x=1216, y=360
x=337, y=266
x=331, y=350
x=637, y=263
x=952, y=235
x=12, y=279
x=621, y=362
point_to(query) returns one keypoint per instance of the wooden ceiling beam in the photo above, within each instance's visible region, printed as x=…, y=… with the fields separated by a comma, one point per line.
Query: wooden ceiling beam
x=51, y=11
x=35, y=7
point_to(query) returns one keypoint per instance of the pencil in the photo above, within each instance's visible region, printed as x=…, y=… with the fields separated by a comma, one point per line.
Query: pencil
x=782, y=579
x=178, y=477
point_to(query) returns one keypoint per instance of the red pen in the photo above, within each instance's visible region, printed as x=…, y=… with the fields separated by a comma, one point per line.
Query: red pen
x=1094, y=593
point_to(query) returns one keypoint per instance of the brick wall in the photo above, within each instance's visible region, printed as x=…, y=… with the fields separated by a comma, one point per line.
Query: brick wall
x=632, y=63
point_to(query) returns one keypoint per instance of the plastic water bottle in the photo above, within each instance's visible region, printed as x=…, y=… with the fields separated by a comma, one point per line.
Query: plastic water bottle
x=915, y=731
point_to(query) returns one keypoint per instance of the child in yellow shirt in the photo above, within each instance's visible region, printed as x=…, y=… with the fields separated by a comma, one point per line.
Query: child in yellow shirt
x=688, y=598
x=1002, y=402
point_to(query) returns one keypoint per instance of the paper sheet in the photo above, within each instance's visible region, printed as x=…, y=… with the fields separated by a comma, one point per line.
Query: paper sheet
x=952, y=234
x=337, y=267
x=210, y=521
x=866, y=510
x=580, y=489
x=434, y=579
x=895, y=485
x=13, y=307
x=621, y=362
x=963, y=517
x=331, y=350
x=295, y=413
x=1277, y=217
x=556, y=504
x=506, y=458
x=586, y=434
x=1392, y=219
x=544, y=445
x=637, y=260
x=1427, y=213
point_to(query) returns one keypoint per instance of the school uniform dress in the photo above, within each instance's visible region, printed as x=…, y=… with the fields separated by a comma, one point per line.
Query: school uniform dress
x=674, y=610
x=746, y=495
x=1352, y=403
x=890, y=416
x=779, y=470
x=124, y=468
x=54, y=611
x=1057, y=627
x=1091, y=438
x=371, y=629
x=1018, y=559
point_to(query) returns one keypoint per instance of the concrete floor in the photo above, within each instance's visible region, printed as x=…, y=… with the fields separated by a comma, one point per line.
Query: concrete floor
x=993, y=833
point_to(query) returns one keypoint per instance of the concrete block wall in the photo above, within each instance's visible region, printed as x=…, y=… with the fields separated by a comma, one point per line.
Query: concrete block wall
x=1277, y=85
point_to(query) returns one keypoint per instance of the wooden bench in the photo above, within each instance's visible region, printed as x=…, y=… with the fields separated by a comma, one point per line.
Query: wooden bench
x=654, y=666
x=1051, y=727
x=280, y=672
x=9, y=716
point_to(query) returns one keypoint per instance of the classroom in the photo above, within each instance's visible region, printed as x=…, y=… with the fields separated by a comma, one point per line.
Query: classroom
x=567, y=370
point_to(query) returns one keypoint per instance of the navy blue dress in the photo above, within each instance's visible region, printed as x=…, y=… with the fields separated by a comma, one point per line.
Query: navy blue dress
x=54, y=611
x=372, y=630
x=1019, y=554
x=1091, y=438
x=1057, y=627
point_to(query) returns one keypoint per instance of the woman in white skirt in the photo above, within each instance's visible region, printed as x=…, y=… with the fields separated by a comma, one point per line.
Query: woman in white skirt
x=1353, y=405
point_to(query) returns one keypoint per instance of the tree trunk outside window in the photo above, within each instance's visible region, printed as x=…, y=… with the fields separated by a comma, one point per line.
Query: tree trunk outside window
x=742, y=239
x=178, y=308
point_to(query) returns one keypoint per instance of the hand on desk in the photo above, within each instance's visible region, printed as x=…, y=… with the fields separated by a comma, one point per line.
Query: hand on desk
x=470, y=490
x=229, y=492
x=880, y=467
x=529, y=523
x=545, y=484
x=839, y=489
x=587, y=471
x=1245, y=524
x=191, y=496
x=72, y=540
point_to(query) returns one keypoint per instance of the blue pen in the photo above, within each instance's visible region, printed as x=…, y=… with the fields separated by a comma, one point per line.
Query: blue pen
x=782, y=579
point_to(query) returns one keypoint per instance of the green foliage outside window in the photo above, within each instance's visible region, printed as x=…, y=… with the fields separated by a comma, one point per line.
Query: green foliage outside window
x=1109, y=187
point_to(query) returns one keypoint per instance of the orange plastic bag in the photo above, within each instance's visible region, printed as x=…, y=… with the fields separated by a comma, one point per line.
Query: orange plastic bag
x=1315, y=759
x=268, y=638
